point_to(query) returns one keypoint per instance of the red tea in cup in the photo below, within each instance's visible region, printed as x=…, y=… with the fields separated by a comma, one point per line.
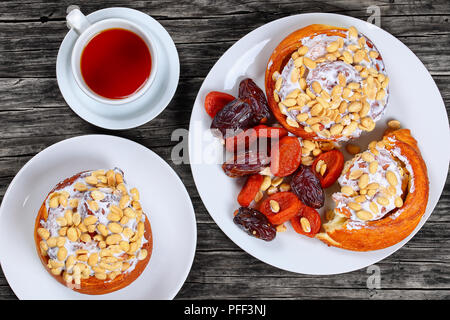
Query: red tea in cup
x=115, y=63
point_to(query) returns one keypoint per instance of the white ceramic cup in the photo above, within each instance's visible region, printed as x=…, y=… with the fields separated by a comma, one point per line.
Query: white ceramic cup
x=86, y=31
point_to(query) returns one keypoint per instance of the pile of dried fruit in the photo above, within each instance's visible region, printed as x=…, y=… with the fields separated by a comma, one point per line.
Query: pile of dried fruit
x=286, y=175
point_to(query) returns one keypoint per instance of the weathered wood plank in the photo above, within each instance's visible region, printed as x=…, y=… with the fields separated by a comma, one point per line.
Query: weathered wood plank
x=43, y=10
x=249, y=277
x=25, y=52
x=5, y=292
x=393, y=272
x=405, y=269
x=236, y=291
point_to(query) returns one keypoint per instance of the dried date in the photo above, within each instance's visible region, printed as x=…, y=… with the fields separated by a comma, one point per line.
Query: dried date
x=249, y=89
x=236, y=116
x=255, y=224
x=307, y=187
x=246, y=163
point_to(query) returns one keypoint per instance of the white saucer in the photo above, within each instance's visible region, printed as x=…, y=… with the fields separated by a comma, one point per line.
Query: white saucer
x=163, y=197
x=137, y=112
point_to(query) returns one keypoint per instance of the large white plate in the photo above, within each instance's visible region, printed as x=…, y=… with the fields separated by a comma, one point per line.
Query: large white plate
x=163, y=197
x=414, y=100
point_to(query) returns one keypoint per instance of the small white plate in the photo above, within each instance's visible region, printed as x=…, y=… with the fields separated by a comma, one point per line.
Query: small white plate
x=163, y=197
x=137, y=112
x=414, y=100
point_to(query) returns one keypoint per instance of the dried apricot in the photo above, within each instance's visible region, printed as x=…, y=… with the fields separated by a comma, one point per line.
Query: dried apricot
x=245, y=139
x=250, y=189
x=263, y=131
x=289, y=206
x=334, y=161
x=311, y=223
x=215, y=101
x=242, y=141
x=286, y=158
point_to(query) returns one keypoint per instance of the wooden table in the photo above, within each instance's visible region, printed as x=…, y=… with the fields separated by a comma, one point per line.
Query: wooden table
x=34, y=115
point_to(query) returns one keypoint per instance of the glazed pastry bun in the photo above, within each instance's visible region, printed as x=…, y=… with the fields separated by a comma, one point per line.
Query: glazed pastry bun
x=327, y=83
x=91, y=233
x=384, y=194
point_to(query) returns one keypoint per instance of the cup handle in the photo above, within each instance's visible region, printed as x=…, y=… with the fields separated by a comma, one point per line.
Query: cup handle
x=76, y=20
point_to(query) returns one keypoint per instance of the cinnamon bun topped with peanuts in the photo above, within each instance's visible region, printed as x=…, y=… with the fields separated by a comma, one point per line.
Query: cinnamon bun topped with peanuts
x=372, y=185
x=327, y=83
x=92, y=234
x=383, y=196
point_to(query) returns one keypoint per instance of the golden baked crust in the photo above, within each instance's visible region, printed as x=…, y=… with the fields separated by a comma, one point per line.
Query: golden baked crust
x=396, y=225
x=92, y=285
